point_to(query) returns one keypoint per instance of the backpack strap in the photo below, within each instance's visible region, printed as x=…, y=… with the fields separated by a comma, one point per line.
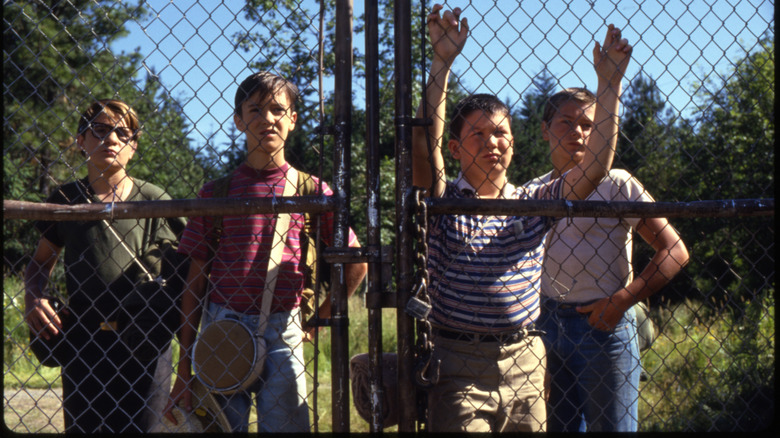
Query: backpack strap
x=306, y=187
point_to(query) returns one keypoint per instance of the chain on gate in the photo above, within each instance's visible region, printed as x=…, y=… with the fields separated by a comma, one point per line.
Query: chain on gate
x=426, y=373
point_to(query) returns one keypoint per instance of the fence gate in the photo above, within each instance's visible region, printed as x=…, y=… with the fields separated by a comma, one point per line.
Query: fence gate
x=696, y=127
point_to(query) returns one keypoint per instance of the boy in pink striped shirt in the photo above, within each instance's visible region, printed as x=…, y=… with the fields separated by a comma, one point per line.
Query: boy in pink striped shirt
x=264, y=111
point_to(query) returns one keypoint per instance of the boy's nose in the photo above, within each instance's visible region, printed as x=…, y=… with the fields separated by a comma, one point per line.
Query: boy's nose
x=111, y=138
x=492, y=141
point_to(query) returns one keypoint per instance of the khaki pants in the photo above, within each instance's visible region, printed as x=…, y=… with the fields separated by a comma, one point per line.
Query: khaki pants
x=488, y=387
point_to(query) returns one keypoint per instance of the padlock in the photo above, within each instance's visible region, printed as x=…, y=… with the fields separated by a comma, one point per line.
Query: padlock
x=418, y=308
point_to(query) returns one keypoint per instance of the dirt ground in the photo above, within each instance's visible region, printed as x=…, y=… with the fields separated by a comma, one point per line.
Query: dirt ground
x=33, y=410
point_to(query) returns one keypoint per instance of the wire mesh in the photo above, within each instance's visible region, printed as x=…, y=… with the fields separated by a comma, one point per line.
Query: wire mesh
x=696, y=124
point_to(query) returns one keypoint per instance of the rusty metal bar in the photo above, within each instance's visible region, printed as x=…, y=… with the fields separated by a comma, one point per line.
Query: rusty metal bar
x=407, y=399
x=723, y=208
x=319, y=204
x=342, y=189
x=171, y=208
x=373, y=218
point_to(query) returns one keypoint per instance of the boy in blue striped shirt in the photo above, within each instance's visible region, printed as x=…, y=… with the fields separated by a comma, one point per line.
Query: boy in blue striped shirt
x=485, y=270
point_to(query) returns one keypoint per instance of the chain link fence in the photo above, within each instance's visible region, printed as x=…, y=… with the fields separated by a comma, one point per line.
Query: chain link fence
x=696, y=128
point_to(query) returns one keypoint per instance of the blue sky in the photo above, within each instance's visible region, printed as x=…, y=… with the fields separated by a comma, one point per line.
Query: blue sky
x=188, y=44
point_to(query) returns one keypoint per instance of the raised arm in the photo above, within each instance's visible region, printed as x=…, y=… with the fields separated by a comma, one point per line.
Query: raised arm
x=610, y=62
x=447, y=39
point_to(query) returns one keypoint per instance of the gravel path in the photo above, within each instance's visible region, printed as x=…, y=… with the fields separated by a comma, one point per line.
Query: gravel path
x=28, y=410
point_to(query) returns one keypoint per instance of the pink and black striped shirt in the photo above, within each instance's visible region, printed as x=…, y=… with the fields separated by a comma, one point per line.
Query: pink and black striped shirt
x=241, y=261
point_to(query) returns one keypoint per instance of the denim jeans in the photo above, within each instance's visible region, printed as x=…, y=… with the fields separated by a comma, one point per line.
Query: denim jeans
x=594, y=375
x=281, y=388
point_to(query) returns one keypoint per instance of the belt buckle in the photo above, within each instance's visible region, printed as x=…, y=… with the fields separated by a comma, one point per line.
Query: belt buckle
x=514, y=338
x=108, y=326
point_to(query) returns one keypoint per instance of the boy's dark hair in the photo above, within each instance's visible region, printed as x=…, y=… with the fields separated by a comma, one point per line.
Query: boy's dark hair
x=487, y=103
x=267, y=84
x=557, y=100
x=114, y=109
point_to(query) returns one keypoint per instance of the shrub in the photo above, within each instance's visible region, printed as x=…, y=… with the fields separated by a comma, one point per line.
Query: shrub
x=712, y=375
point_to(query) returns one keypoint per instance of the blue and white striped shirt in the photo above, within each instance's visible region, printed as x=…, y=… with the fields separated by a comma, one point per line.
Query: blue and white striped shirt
x=485, y=271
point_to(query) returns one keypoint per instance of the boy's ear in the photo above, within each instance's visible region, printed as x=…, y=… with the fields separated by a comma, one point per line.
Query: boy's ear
x=80, y=144
x=239, y=122
x=545, y=131
x=454, y=147
x=294, y=119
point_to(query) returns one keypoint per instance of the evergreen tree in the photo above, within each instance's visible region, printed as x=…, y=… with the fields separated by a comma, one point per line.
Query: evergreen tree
x=532, y=152
x=732, y=156
x=57, y=61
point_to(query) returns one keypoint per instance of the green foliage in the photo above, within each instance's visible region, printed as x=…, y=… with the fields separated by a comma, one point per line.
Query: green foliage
x=643, y=140
x=737, y=130
x=164, y=156
x=20, y=366
x=358, y=343
x=55, y=62
x=713, y=374
x=532, y=152
x=59, y=55
x=731, y=156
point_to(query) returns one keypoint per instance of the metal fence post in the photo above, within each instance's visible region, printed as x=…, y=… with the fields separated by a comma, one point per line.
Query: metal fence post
x=341, y=180
x=404, y=252
x=373, y=225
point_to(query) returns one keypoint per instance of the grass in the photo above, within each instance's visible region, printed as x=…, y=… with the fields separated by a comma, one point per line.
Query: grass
x=358, y=343
x=22, y=370
x=711, y=375
x=707, y=373
x=20, y=366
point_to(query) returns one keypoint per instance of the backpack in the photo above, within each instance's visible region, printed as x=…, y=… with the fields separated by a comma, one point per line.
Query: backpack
x=312, y=272
x=150, y=311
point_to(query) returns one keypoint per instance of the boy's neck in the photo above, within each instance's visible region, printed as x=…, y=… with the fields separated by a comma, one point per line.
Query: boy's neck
x=559, y=170
x=114, y=183
x=265, y=162
x=488, y=188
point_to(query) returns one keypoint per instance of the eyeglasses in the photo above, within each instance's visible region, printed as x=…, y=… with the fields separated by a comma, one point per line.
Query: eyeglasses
x=101, y=131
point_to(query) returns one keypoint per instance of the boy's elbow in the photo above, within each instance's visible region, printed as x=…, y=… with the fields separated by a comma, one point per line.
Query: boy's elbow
x=681, y=254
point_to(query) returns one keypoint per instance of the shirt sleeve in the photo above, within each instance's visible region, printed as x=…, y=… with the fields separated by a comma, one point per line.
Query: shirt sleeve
x=327, y=220
x=629, y=189
x=194, y=241
x=49, y=229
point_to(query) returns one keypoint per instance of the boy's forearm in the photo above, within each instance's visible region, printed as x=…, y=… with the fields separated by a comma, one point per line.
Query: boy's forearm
x=606, y=122
x=191, y=311
x=610, y=62
x=428, y=164
x=354, y=274
x=36, y=277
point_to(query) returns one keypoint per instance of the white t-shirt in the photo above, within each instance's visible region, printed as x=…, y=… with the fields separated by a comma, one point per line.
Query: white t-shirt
x=590, y=258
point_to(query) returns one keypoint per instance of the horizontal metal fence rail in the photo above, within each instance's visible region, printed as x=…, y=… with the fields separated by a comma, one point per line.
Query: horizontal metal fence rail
x=320, y=204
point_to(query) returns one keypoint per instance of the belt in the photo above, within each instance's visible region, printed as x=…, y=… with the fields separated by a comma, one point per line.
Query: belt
x=557, y=305
x=503, y=338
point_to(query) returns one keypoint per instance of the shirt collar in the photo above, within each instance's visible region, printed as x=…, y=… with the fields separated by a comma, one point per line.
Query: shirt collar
x=466, y=188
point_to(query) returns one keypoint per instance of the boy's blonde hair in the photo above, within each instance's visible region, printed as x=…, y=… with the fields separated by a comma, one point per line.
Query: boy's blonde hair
x=557, y=100
x=114, y=109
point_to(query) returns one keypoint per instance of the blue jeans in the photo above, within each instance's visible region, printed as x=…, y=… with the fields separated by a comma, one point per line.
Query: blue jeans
x=281, y=388
x=594, y=375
